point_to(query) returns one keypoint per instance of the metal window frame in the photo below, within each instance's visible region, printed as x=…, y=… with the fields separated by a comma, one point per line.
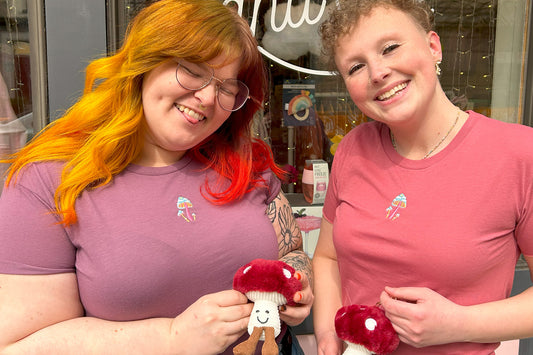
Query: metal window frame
x=39, y=87
x=527, y=98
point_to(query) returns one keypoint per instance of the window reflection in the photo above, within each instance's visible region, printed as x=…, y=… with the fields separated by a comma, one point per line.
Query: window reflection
x=15, y=81
x=14, y=59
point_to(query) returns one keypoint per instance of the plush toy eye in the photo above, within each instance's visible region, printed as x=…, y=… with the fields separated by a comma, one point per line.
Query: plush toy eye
x=371, y=324
x=287, y=273
x=247, y=269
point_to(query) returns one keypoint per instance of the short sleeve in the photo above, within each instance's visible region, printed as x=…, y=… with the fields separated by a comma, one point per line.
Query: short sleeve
x=524, y=227
x=331, y=200
x=274, y=186
x=32, y=240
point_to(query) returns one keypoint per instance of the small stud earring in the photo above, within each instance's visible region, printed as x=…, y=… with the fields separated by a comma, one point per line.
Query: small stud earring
x=437, y=68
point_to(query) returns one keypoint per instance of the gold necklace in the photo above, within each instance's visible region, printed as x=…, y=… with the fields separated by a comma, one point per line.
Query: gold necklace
x=393, y=140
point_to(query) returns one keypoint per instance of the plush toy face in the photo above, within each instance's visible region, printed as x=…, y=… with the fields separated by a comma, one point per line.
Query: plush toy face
x=265, y=314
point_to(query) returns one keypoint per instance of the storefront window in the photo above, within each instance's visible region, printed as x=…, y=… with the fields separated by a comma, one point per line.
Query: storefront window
x=15, y=78
x=14, y=59
x=119, y=14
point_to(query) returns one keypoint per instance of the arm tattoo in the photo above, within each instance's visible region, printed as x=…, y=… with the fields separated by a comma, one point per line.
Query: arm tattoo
x=289, y=237
x=301, y=262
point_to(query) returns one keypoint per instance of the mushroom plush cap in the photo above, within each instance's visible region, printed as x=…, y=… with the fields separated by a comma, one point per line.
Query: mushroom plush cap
x=267, y=279
x=367, y=326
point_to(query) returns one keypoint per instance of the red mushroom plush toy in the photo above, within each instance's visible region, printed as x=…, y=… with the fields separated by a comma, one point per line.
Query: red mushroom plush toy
x=269, y=284
x=366, y=330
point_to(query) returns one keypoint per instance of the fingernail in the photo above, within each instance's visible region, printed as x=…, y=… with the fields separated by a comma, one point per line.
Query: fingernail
x=298, y=297
x=298, y=276
x=282, y=308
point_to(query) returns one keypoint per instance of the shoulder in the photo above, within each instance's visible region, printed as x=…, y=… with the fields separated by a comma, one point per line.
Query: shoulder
x=40, y=174
x=503, y=135
x=363, y=137
x=492, y=124
x=273, y=185
x=36, y=181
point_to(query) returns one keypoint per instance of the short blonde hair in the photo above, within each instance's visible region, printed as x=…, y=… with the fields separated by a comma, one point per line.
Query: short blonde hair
x=347, y=13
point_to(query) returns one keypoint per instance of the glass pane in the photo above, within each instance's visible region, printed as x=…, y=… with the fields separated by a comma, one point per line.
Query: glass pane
x=15, y=81
x=120, y=13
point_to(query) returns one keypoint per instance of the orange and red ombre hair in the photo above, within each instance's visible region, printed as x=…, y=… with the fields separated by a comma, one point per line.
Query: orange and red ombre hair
x=104, y=131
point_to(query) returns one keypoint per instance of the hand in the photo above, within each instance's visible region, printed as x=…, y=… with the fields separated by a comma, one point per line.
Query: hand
x=330, y=344
x=421, y=316
x=212, y=323
x=294, y=315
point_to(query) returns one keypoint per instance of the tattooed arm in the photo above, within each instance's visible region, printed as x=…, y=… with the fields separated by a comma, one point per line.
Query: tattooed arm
x=291, y=252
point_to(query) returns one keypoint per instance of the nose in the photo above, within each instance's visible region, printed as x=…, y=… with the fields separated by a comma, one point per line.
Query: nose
x=208, y=94
x=377, y=72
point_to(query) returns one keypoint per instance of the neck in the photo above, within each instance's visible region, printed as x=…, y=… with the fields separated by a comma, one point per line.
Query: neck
x=417, y=145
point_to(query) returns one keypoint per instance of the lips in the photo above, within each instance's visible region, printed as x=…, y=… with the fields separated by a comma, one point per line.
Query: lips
x=190, y=113
x=395, y=90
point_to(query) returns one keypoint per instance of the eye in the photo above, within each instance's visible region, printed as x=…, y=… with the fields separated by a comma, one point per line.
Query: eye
x=191, y=72
x=229, y=87
x=355, y=68
x=390, y=48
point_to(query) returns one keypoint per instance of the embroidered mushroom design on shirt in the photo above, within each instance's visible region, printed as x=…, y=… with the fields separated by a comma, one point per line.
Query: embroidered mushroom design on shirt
x=185, y=209
x=393, y=211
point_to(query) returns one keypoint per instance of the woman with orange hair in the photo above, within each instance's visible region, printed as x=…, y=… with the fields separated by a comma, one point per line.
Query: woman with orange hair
x=123, y=222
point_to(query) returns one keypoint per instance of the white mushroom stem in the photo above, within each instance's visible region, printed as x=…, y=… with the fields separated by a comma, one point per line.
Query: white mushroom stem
x=264, y=314
x=356, y=349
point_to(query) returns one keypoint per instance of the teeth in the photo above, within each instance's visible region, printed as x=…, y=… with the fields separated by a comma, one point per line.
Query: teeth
x=190, y=112
x=392, y=92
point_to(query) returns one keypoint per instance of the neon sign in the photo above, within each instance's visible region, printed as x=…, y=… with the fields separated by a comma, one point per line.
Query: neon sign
x=305, y=17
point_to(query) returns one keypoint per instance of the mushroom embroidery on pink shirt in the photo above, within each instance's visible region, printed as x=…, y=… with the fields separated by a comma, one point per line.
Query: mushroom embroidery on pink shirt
x=185, y=209
x=269, y=284
x=366, y=330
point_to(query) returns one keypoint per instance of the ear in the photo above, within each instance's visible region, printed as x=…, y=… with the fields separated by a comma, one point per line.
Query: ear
x=434, y=45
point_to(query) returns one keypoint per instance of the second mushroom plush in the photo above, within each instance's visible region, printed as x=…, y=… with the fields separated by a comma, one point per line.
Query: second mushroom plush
x=268, y=284
x=366, y=330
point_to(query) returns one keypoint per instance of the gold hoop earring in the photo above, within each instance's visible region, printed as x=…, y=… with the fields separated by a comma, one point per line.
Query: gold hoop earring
x=437, y=68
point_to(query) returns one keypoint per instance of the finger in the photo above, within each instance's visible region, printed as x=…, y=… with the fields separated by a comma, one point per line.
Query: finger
x=238, y=327
x=236, y=312
x=298, y=297
x=227, y=298
x=407, y=294
x=300, y=276
x=394, y=308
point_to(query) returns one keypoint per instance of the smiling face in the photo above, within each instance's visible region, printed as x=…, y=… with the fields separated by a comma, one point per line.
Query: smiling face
x=178, y=119
x=388, y=64
x=264, y=314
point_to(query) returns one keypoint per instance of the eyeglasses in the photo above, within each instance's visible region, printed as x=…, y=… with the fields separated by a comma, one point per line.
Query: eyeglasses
x=231, y=93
